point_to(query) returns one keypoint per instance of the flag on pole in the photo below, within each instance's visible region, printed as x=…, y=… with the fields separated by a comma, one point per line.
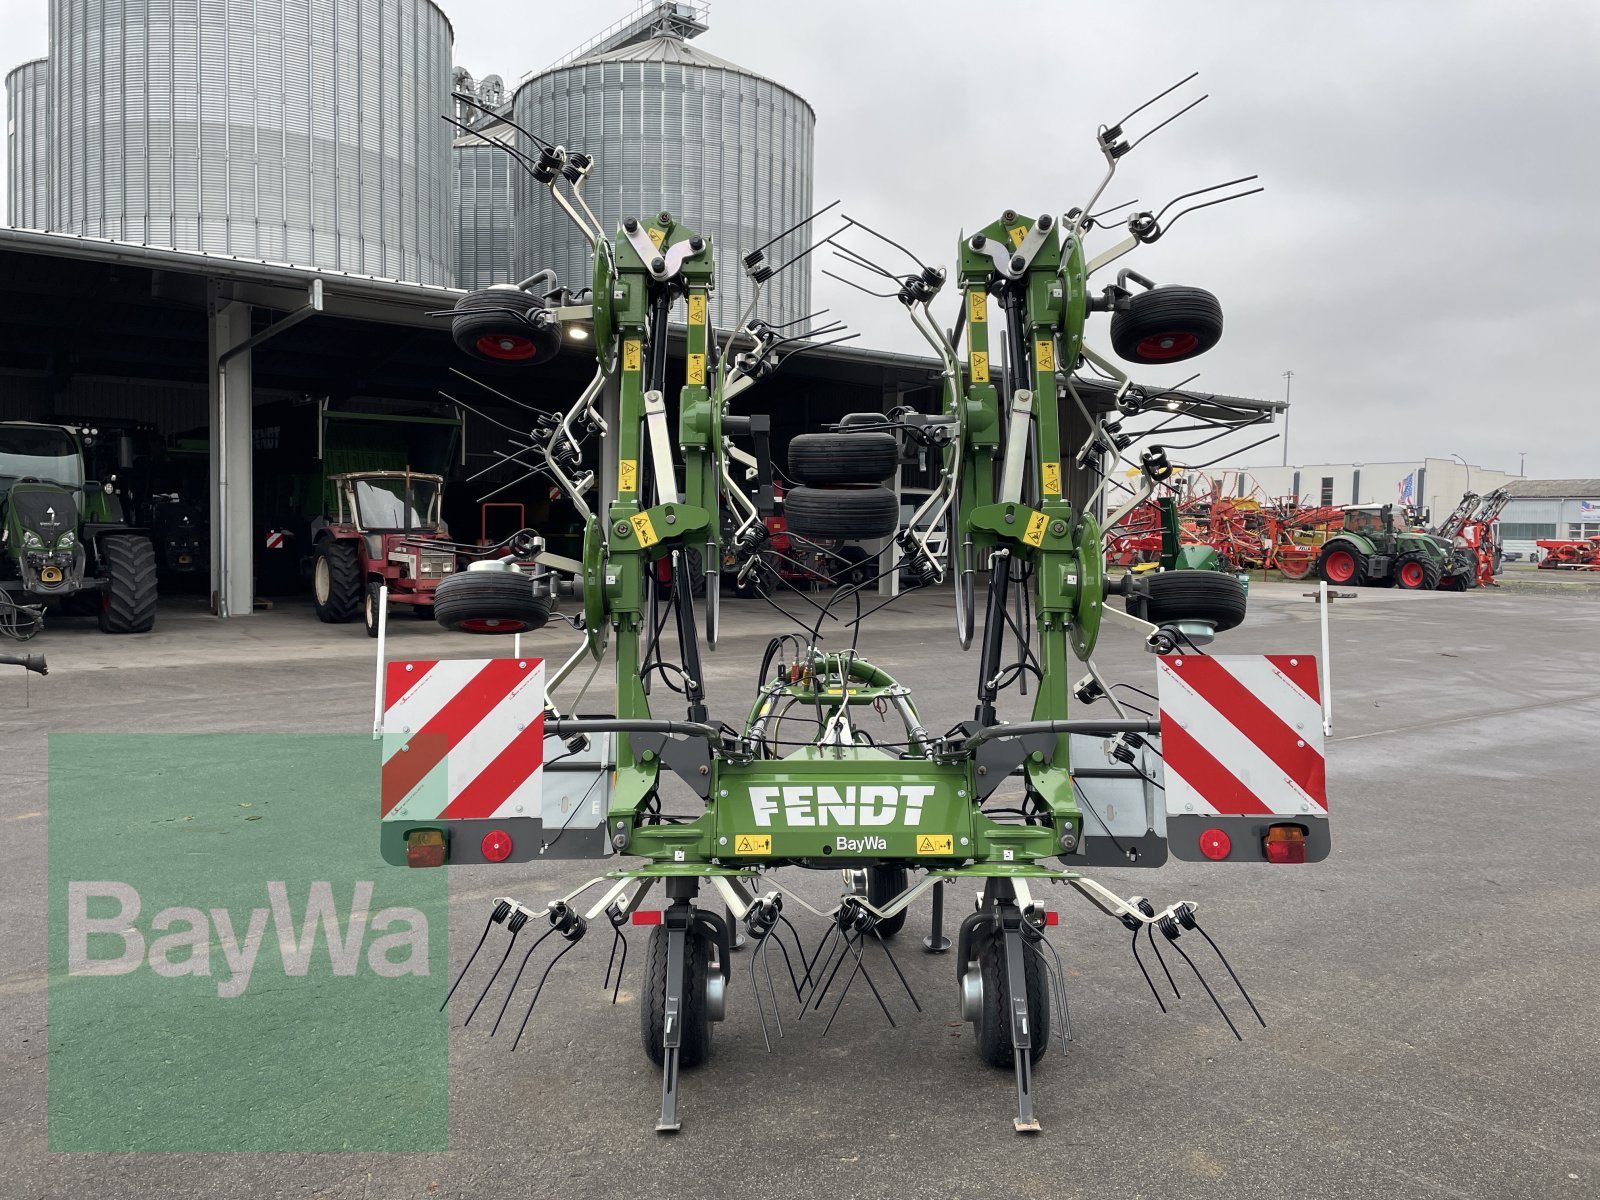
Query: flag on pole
x=1408, y=488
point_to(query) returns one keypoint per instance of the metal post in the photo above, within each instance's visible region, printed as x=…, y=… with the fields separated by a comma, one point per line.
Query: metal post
x=1327, y=667
x=1288, y=380
x=936, y=942
x=383, y=639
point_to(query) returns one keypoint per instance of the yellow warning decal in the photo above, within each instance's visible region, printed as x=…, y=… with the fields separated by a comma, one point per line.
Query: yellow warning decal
x=980, y=366
x=1017, y=234
x=1035, y=534
x=631, y=355
x=935, y=843
x=642, y=528
x=1052, y=478
x=697, y=368
x=1044, y=355
x=978, y=308
x=657, y=235
x=697, y=310
x=628, y=475
x=752, y=843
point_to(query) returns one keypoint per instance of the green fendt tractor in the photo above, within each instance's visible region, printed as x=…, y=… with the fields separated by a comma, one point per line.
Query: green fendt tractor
x=1377, y=548
x=64, y=537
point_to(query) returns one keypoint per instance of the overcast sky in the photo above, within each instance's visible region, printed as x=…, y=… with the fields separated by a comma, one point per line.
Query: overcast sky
x=1424, y=258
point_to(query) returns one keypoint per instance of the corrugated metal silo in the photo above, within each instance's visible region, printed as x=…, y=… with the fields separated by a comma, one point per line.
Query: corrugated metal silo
x=294, y=131
x=483, y=208
x=726, y=151
x=28, y=146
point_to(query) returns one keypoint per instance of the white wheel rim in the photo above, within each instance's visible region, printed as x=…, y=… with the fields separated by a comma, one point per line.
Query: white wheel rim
x=320, y=581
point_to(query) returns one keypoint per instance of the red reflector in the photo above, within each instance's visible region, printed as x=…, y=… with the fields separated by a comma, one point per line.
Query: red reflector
x=647, y=916
x=1286, y=844
x=1215, y=845
x=1052, y=918
x=425, y=848
x=497, y=845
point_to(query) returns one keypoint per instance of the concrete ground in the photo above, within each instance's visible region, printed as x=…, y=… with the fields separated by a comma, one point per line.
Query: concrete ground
x=1429, y=990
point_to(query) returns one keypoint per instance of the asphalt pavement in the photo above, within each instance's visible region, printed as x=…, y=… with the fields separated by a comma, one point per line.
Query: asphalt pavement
x=1428, y=990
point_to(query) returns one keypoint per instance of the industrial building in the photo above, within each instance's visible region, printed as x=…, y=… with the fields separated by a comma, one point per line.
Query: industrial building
x=1549, y=510
x=1436, y=484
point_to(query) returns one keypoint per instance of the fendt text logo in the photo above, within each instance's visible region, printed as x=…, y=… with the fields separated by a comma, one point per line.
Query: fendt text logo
x=180, y=940
x=804, y=806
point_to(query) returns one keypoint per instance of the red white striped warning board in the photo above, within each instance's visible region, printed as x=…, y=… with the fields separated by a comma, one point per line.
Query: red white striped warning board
x=274, y=540
x=1241, y=735
x=463, y=738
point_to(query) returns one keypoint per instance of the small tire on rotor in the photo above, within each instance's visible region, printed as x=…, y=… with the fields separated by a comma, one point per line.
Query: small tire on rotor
x=994, y=1044
x=494, y=326
x=833, y=458
x=490, y=602
x=841, y=512
x=1211, y=597
x=1167, y=324
x=695, y=1046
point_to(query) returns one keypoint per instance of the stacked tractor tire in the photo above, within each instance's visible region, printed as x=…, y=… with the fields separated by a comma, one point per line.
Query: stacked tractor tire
x=840, y=478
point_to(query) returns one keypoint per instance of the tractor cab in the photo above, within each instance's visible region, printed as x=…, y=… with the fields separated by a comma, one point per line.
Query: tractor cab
x=1374, y=521
x=389, y=501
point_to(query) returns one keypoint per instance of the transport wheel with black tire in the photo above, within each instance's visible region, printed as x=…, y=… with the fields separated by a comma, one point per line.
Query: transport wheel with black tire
x=841, y=512
x=1167, y=324
x=883, y=885
x=494, y=326
x=336, y=581
x=1209, y=596
x=695, y=1047
x=1416, y=572
x=696, y=558
x=829, y=458
x=854, y=567
x=128, y=605
x=994, y=1043
x=1341, y=562
x=490, y=602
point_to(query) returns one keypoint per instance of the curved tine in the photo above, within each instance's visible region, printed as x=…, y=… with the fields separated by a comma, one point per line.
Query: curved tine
x=550, y=966
x=858, y=287
x=512, y=400
x=755, y=988
x=1158, y=128
x=799, y=949
x=530, y=135
x=504, y=958
x=797, y=225
x=861, y=969
x=772, y=990
x=1208, y=204
x=1230, y=971
x=1157, y=96
x=487, y=925
x=621, y=966
x=1134, y=946
x=1202, y=191
x=882, y=238
x=819, y=963
x=517, y=979
x=890, y=955
x=1058, y=974
x=1209, y=992
x=844, y=953
x=1151, y=930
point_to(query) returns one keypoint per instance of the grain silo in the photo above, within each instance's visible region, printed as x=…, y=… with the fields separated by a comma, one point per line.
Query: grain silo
x=726, y=151
x=27, y=146
x=482, y=182
x=297, y=132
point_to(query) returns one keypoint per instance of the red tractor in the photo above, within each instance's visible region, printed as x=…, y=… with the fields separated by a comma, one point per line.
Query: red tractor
x=386, y=530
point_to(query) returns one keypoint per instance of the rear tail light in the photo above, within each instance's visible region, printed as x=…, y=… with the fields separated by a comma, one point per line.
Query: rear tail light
x=425, y=848
x=647, y=916
x=1052, y=918
x=1286, y=844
